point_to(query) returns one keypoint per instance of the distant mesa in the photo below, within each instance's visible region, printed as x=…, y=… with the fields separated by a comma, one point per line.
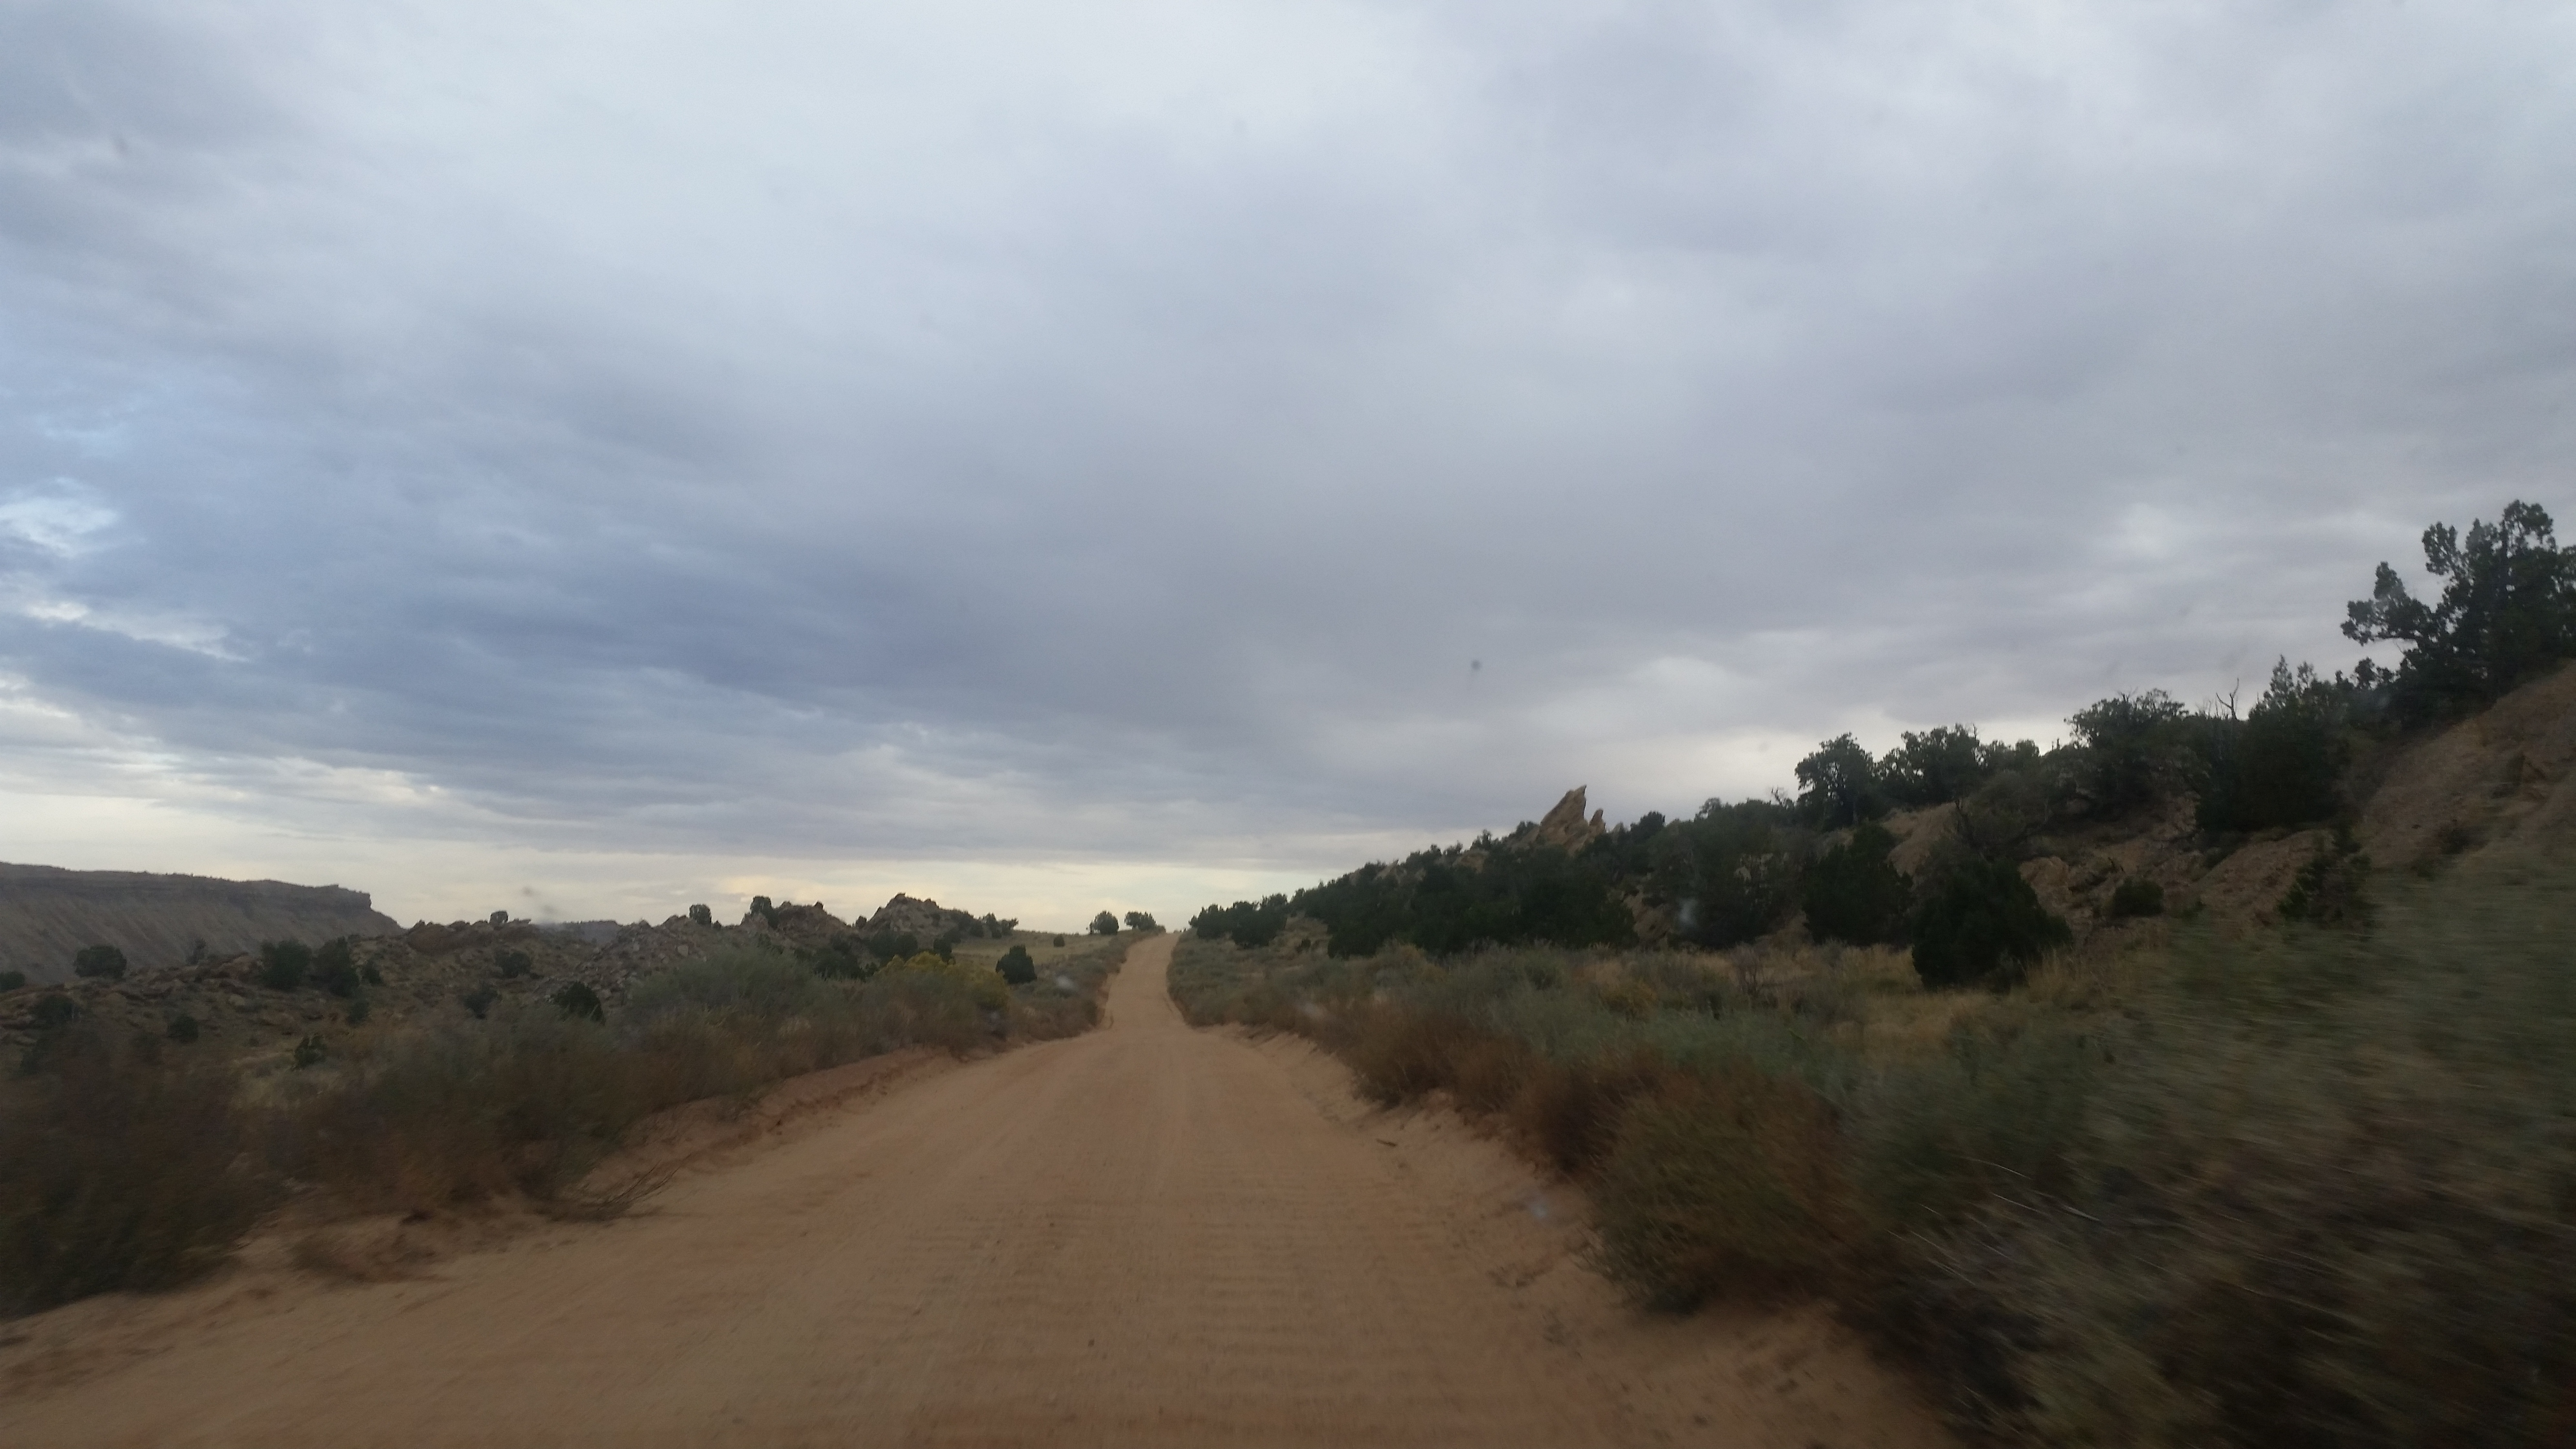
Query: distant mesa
x=48, y=914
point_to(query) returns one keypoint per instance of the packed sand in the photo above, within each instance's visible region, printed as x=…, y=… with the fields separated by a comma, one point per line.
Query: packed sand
x=1147, y=1235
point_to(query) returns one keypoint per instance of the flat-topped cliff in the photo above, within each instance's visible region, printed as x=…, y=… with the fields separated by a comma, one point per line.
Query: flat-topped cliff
x=47, y=914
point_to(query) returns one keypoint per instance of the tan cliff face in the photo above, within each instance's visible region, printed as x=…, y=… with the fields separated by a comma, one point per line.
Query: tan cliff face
x=158, y=921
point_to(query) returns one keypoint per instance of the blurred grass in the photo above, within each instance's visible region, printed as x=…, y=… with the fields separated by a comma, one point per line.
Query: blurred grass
x=2302, y=1187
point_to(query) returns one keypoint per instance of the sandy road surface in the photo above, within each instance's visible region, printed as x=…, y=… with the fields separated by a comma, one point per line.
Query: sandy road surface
x=1147, y=1235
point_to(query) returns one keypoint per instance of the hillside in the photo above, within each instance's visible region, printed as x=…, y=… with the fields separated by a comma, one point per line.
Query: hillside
x=160, y=921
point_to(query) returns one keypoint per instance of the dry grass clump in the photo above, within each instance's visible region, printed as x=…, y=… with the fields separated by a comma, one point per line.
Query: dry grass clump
x=2308, y=1187
x=121, y=1167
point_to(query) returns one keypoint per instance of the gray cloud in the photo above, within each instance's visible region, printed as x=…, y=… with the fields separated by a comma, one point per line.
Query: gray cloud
x=1011, y=435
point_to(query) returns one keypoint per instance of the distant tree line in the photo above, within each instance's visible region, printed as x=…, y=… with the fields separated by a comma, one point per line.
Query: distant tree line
x=1733, y=871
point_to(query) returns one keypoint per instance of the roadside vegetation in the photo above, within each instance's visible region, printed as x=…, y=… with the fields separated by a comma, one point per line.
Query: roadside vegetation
x=2304, y=1177
x=130, y=1162
x=2305, y=1187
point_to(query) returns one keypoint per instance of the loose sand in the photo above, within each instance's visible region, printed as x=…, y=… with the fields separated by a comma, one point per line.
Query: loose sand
x=1146, y=1235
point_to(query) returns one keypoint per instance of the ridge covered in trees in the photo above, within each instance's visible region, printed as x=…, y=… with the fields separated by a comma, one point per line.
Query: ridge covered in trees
x=1733, y=871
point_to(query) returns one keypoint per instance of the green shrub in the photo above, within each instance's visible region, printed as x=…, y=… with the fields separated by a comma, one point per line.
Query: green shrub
x=99, y=961
x=513, y=964
x=479, y=1000
x=1059, y=940
x=183, y=1028
x=1852, y=893
x=577, y=999
x=1984, y=926
x=2137, y=896
x=117, y=1171
x=2134, y=750
x=1838, y=785
x=1141, y=921
x=284, y=964
x=1104, y=924
x=12, y=980
x=357, y=1011
x=335, y=967
x=2284, y=763
x=370, y=975
x=2333, y=887
x=53, y=1012
x=899, y=945
x=1016, y=966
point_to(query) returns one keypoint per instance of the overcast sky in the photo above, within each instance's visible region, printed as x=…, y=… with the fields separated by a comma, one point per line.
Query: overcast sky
x=584, y=459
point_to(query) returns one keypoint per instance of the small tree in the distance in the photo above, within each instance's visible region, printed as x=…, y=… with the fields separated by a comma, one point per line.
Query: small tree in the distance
x=1016, y=966
x=101, y=961
x=1142, y=921
x=1104, y=924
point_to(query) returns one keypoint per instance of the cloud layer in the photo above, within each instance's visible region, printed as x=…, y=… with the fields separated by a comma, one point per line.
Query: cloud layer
x=615, y=451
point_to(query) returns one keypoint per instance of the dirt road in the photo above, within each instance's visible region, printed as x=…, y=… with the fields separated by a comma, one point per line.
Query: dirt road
x=1146, y=1235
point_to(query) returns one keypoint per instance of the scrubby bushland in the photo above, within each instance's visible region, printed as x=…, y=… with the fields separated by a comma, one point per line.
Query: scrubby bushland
x=335, y=967
x=1838, y=785
x=1852, y=893
x=2283, y=764
x=1247, y=923
x=119, y=1169
x=2134, y=898
x=1982, y=926
x=2134, y=750
x=2294, y=1188
x=531, y=1100
x=2507, y=613
x=99, y=961
x=1940, y=765
x=283, y=965
x=135, y=1164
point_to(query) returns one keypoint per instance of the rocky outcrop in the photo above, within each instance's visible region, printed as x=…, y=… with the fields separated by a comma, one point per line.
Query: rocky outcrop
x=1566, y=827
x=925, y=919
x=160, y=921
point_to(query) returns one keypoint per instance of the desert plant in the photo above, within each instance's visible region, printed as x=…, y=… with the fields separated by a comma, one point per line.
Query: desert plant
x=1838, y=785
x=1853, y=893
x=183, y=1028
x=479, y=1000
x=335, y=967
x=2137, y=896
x=99, y=961
x=1016, y=966
x=1104, y=924
x=513, y=964
x=1141, y=921
x=284, y=964
x=2507, y=612
x=53, y=1012
x=2283, y=763
x=117, y=1171
x=2332, y=888
x=1983, y=926
x=2132, y=750
x=577, y=999
x=1726, y=1181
